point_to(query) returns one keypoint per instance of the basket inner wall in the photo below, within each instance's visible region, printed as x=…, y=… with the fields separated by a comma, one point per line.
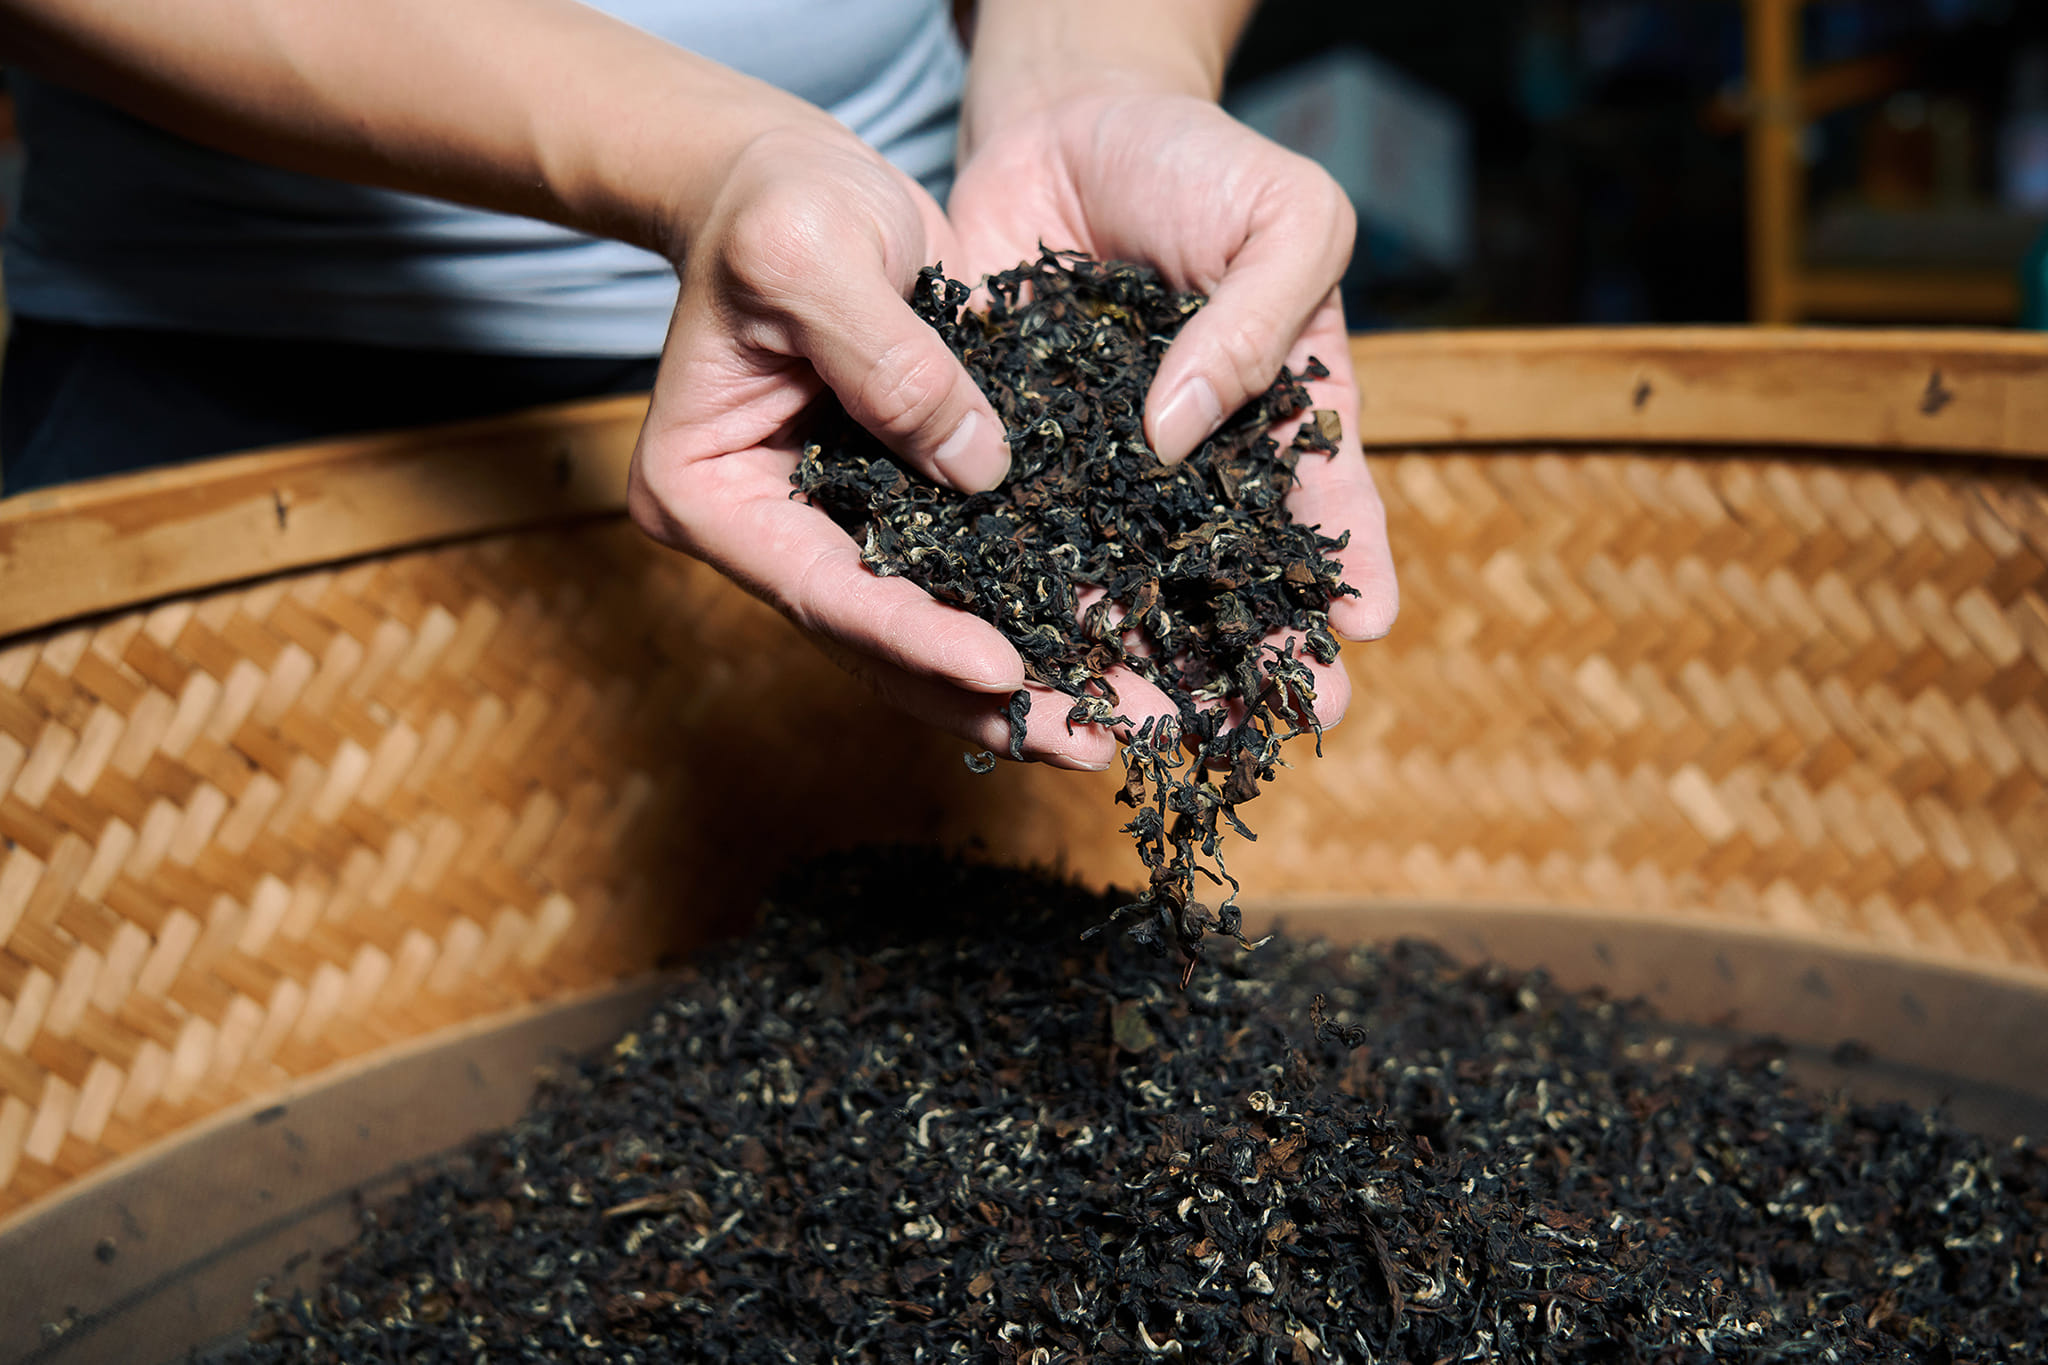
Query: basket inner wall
x=252, y=832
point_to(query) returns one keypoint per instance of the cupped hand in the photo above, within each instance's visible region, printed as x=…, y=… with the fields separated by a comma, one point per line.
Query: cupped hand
x=1172, y=181
x=795, y=282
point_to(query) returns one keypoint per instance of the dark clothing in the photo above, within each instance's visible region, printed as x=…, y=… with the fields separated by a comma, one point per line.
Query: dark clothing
x=77, y=402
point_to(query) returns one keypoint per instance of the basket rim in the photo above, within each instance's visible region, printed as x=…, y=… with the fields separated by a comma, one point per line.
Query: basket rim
x=129, y=540
x=1850, y=390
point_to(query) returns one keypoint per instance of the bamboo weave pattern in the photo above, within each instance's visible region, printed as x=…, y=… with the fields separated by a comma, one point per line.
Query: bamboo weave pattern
x=1792, y=692
x=252, y=832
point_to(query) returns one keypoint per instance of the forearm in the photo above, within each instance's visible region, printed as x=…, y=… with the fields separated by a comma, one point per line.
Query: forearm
x=541, y=107
x=1030, y=53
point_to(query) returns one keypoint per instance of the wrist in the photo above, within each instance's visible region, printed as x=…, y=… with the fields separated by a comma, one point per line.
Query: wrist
x=1018, y=97
x=1030, y=55
x=650, y=170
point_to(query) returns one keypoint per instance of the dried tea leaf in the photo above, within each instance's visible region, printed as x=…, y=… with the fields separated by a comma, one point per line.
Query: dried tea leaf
x=1208, y=588
x=1127, y=1025
x=913, y=1121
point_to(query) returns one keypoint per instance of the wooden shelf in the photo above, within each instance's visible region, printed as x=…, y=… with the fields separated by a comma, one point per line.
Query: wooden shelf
x=1781, y=96
x=1981, y=296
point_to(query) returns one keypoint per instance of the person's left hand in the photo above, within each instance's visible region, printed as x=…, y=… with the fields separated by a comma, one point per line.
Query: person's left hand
x=1173, y=182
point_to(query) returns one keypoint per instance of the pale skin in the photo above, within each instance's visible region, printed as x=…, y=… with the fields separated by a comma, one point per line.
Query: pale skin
x=797, y=245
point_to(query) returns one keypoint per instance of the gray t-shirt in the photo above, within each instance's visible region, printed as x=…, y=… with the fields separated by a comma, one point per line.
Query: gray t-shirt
x=123, y=224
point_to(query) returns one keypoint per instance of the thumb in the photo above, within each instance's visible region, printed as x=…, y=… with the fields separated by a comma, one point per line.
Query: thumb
x=1231, y=351
x=896, y=377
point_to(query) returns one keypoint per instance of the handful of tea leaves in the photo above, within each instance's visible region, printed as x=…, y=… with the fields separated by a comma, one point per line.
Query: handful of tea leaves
x=1208, y=588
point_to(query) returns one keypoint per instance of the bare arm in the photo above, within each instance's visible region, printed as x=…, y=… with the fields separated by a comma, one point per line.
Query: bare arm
x=797, y=245
x=542, y=107
x=1031, y=53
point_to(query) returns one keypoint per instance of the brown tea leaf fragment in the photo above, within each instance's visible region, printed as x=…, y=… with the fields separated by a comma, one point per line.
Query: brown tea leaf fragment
x=1127, y=1025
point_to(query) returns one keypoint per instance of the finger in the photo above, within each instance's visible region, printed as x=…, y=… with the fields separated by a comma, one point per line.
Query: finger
x=983, y=721
x=1327, y=702
x=798, y=560
x=815, y=264
x=896, y=377
x=1328, y=699
x=1333, y=692
x=1230, y=352
x=1137, y=701
x=1336, y=492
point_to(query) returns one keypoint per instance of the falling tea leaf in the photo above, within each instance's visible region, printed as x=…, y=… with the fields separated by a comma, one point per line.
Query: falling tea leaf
x=1205, y=585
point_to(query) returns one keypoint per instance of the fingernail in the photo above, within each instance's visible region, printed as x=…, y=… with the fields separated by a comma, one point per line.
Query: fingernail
x=970, y=465
x=1189, y=418
x=1072, y=764
x=1371, y=617
x=1363, y=632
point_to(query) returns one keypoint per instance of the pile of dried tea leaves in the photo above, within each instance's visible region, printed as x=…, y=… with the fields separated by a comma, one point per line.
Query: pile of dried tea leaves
x=1199, y=566
x=875, y=1134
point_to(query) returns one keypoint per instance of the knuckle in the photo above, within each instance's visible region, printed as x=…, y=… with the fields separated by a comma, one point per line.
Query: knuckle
x=1248, y=354
x=1319, y=213
x=865, y=617
x=773, y=245
x=903, y=391
x=942, y=639
x=647, y=510
x=807, y=597
x=1343, y=220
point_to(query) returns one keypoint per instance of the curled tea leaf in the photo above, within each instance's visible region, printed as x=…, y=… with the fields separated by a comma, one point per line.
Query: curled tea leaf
x=1207, y=588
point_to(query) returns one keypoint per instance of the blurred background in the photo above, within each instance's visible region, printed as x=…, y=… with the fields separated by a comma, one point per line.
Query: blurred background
x=1524, y=162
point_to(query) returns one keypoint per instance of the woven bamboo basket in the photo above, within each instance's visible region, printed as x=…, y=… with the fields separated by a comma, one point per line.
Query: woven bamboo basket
x=309, y=752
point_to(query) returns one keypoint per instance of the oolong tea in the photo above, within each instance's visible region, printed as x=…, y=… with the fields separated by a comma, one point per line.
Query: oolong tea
x=1201, y=582
x=915, y=1120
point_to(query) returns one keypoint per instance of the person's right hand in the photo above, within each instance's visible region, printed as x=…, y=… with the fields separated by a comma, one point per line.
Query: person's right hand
x=798, y=242
x=794, y=282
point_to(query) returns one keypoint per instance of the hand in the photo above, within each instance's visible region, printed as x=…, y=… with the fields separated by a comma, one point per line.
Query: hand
x=793, y=282
x=1170, y=180
x=799, y=246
